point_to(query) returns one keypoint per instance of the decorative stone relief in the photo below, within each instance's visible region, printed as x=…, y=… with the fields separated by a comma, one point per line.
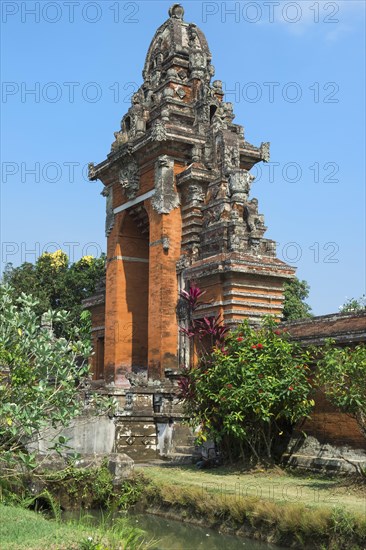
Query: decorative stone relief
x=129, y=179
x=195, y=193
x=211, y=71
x=254, y=245
x=220, y=212
x=91, y=170
x=165, y=197
x=265, y=151
x=219, y=121
x=176, y=11
x=166, y=243
x=194, y=41
x=109, y=218
x=239, y=185
x=231, y=158
x=121, y=139
x=158, y=132
x=221, y=191
x=197, y=63
x=182, y=74
x=217, y=85
x=171, y=73
x=181, y=93
x=168, y=92
x=183, y=262
x=253, y=220
x=271, y=248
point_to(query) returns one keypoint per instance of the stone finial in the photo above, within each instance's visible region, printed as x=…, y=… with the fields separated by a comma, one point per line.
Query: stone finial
x=91, y=170
x=265, y=151
x=176, y=11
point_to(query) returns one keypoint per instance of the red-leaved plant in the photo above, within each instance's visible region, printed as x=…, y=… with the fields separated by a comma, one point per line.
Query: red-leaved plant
x=208, y=331
x=246, y=388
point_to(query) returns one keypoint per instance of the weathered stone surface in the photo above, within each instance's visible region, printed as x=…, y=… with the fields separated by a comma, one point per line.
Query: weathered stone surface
x=121, y=467
x=312, y=454
x=86, y=434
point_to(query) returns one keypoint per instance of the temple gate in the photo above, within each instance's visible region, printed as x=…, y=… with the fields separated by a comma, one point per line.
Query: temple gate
x=177, y=184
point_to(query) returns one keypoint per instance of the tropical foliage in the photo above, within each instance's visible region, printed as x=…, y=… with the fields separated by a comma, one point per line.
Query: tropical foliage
x=341, y=373
x=40, y=374
x=247, y=388
x=58, y=285
x=294, y=305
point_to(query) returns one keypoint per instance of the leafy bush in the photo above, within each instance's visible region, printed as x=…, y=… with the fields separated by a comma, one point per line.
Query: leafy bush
x=40, y=375
x=341, y=372
x=248, y=387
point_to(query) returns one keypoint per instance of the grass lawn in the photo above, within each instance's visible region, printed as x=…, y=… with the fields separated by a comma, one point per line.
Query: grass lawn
x=22, y=529
x=275, y=485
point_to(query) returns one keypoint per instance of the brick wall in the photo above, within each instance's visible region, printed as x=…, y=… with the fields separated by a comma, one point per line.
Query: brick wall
x=329, y=425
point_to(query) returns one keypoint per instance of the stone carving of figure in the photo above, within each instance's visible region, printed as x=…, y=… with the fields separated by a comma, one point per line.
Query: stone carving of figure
x=239, y=185
x=219, y=120
x=129, y=179
x=253, y=220
x=231, y=158
x=221, y=191
x=195, y=194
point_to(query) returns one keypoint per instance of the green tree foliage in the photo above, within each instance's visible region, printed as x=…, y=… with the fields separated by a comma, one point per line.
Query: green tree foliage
x=341, y=373
x=353, y=305
x=247, y=388
x=56, y=284
x=295, y=294
x=40, y=374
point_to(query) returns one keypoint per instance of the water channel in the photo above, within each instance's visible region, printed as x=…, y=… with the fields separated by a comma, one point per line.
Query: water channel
x=176, y=535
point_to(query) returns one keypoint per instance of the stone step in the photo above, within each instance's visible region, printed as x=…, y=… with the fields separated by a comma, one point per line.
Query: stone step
x=180, y=458
x=185, y=449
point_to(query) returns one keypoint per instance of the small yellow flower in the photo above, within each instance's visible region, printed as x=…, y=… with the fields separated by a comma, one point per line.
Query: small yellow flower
x=57, y=259
x=86, y=260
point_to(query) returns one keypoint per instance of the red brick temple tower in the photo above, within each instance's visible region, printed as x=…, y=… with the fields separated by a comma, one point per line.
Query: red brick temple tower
x=177, y=187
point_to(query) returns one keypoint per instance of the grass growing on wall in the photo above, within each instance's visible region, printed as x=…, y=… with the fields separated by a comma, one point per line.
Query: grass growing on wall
x=287, y=512
x=293, y=525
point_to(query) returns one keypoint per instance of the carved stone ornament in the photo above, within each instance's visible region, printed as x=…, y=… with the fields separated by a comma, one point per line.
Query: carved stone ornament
x=129, y=179
x=109, y=218
x=158, y=132
x=195, y=193
x=254, y=220
x=219, y=120
x=91, y=170
x=183, y=263
x=176, y=11
x=181, y=92
x=254, y=245
x=239, y=185
x=265, y=151
x=231, y=158
x=198, y=60
x=165, y=197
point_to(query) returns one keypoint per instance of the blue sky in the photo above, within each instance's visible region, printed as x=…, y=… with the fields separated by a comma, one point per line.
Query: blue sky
x=295, y=72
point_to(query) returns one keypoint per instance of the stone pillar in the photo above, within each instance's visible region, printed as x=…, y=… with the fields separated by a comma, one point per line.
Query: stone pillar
x=165, y=240
x=126, y=302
